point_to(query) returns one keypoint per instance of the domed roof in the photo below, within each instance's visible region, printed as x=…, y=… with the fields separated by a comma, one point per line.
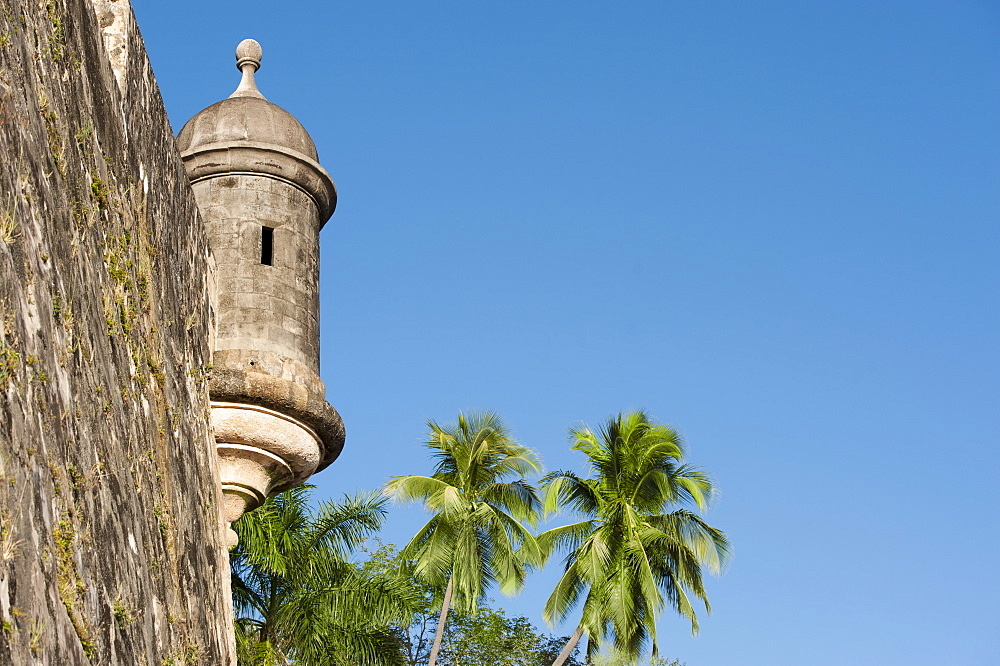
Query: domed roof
x=246, y=118
x=246, y=115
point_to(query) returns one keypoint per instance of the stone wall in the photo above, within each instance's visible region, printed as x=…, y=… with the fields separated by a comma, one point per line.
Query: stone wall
x=110, y=548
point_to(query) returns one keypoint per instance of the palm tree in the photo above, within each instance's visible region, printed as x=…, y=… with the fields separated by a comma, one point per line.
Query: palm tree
x=476, y=536
x=297, y=597
x=628, y=558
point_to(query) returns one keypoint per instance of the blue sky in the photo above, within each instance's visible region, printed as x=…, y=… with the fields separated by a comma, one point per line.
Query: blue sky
x=772, y=225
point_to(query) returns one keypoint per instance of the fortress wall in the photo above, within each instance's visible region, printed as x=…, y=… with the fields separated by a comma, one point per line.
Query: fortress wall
x=110, y=537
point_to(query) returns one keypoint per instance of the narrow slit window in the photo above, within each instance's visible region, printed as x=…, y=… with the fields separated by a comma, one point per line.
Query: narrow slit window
x=267, y=246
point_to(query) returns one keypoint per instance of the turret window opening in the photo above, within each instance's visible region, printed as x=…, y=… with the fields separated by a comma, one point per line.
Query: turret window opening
x=267, y=246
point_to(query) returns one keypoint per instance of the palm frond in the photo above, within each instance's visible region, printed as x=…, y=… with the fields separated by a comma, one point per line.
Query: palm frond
x=565, y=596
x=342, y=526
x=710, y=545
x=519, y=498
x=565, y=538
x=414, y=488
x=298, y=599
x=566, y=489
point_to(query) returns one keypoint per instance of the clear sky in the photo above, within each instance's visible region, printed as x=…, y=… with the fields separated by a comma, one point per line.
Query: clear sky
x=773, y=225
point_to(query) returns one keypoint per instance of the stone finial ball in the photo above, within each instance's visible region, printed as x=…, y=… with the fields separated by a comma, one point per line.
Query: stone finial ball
x=250, y=50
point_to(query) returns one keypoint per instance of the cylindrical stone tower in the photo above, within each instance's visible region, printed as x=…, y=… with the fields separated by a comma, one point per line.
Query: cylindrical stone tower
x=264, y=198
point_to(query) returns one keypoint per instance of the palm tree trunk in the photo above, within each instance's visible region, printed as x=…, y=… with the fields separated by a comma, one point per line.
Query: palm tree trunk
x=569, y=647
x=440, y=629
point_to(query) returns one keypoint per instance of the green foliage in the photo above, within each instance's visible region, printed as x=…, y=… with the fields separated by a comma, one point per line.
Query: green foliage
x=52, y=132
x=124, y=616
x=485, y=637
x=57, y=42
x=628, y=559
x=84, y=137
x=10, y=361
x=10, y=358
x=476, y=536
x=618, y=659
x=490, y=638
x=100, y=192
x=415, y=639
x=9, y=225
x=70, y=585
x=297, y=597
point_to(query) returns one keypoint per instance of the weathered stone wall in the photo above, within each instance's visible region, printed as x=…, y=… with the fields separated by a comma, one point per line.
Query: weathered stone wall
x=110, y=547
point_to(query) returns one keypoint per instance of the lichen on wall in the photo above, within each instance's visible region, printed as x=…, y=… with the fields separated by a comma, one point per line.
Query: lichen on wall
x=110, y=542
